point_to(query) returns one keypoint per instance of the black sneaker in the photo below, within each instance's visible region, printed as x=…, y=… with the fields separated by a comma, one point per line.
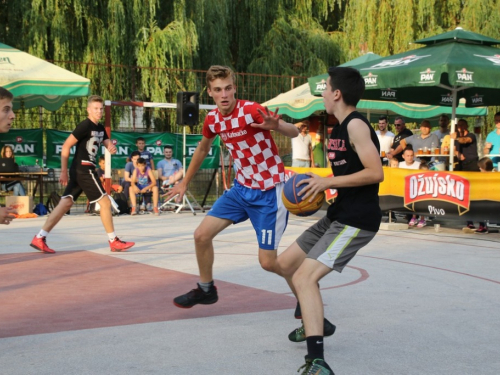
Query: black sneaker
x=482, y=230
x=299, y=334
x=316, y=367
x=298, y=312
x=197, y=296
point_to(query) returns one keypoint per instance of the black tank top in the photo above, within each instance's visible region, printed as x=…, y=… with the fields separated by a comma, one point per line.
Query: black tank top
x=354, y=206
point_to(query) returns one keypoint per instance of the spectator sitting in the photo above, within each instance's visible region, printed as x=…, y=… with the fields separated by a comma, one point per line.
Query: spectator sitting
x=129, y=169
x=485, y=165
x=15, y=186
x=170, y=170
x=145, y=154
x=409, y=159
x=100, y=172
x=143, y=181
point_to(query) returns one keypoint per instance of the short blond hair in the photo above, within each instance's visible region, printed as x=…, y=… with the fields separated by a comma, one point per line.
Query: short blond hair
x=219, y=72
x=94, y=98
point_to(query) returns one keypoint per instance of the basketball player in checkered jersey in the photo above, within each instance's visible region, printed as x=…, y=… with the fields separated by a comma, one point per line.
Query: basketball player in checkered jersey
x=351, y=221
x=7, y=116
x=87, y=136
x=245, y=127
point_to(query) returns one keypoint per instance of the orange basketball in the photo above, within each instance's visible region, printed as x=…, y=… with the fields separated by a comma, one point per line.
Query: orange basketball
x=294, y=203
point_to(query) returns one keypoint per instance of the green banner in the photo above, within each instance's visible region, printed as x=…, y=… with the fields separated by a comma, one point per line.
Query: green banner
x=26, y=143
x=125, y=144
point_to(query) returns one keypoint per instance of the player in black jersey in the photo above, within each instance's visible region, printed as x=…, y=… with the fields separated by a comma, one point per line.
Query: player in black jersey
x=351, y=221
x=87, y=137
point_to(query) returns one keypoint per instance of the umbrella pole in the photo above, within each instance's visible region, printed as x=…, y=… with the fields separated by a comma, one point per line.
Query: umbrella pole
x=452, y=129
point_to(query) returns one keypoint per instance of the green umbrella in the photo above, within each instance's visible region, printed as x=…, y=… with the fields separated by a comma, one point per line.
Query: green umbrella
x=453, y=65
x=317, y=84
x=35, y=82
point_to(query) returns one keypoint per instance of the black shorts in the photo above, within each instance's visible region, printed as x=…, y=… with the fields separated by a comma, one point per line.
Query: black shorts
x=86, y=181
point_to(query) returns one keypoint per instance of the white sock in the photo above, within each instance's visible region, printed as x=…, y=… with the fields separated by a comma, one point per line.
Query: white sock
x=112, y=236
x=42, y=234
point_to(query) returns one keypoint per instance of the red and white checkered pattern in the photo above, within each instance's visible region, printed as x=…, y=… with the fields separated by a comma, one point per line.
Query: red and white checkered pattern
x=254, y=152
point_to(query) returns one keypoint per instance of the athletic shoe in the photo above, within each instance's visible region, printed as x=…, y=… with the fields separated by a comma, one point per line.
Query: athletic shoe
x=197, y=296
x=298, y=311
x=470, y=225
x=149, y=207
x=157, y=213
x=142, y=207
x=412, y=222
x=421, y=223
x=119, y=245
x=316, y=367
x=41, y=244
x=133, y=211
x=482, y=230
x=299, y=334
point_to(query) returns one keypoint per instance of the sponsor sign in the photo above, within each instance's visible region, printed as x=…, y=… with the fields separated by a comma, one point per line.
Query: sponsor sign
x=370, y=80
x=388, y=94
x=464, y=76
x=437, y=186
x=26, y=143
x=446, y=99
x=476, y=100
x=427, y=76
x=321, y=86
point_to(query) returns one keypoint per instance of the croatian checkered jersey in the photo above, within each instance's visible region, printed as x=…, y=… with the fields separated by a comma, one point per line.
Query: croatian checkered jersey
x=254, y=152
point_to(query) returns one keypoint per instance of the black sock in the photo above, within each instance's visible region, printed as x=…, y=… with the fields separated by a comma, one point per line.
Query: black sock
x=315, y=347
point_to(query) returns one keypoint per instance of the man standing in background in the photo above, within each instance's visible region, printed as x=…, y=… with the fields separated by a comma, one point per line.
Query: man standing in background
x=302, y=147
x=7, y=116
x=385, y=138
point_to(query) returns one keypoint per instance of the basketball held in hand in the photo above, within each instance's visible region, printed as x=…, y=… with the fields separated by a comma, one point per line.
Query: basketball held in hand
x=294, y=203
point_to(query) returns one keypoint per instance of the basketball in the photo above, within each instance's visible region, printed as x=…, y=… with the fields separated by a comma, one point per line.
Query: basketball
x=294, y=203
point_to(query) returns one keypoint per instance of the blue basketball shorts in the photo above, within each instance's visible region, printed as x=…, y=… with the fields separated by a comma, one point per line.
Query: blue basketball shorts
x=265, y=210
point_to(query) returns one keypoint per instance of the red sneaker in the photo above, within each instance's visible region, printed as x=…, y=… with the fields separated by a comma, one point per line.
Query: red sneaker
x=41, y=244
x=119, y=245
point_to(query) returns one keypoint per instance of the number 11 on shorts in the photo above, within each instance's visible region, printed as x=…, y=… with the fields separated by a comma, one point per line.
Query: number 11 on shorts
x=269, y=235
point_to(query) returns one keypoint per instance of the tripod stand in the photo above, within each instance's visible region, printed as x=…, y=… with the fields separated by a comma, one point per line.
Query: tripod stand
x=185, y=202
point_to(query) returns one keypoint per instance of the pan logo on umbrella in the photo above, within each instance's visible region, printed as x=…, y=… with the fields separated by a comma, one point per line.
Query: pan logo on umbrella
x=19, y=139
x=321, y=85
x=388, y=93
x=446, y=99
x=370, y=80
x=427, y=76
x=465, y=76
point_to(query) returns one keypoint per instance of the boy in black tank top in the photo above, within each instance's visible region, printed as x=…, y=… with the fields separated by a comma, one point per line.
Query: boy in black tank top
x=87, y=136
x=351, y=221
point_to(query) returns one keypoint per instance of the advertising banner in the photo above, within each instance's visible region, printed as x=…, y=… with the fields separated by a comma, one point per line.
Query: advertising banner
x=125, y=144
x=468, y=196
x=26, y=143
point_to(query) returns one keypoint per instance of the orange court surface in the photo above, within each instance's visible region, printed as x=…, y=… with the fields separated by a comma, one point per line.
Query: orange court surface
x=413, y=301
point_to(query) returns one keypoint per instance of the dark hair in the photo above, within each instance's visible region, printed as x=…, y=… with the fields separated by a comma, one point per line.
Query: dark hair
x=139, y=139
x=408, y=148
x=485, y=163
x=135, y=153
x=464, y=120
x=5, y=94
x=141, y=161
x=497, y=114
x=169, y=147
x=101, y=157
x=383, y=117
x=349, y=82
x=400, y=118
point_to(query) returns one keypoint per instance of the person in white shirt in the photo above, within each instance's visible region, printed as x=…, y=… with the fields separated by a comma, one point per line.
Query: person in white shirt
x=385, y=138
x=409, y=159
x=302, y=147
x=443, y=130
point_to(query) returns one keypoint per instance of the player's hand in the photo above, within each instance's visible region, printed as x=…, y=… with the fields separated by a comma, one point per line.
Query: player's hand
x=63, y=178
x=6, y=215
x=314, y=185
x=179, y=189
x=388, y=155
x=271, y=120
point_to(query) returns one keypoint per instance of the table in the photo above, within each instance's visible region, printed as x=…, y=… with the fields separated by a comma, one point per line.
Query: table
x=24, y=176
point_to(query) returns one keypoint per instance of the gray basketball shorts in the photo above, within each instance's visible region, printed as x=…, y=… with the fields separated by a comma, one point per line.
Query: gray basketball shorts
x=332, y=243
